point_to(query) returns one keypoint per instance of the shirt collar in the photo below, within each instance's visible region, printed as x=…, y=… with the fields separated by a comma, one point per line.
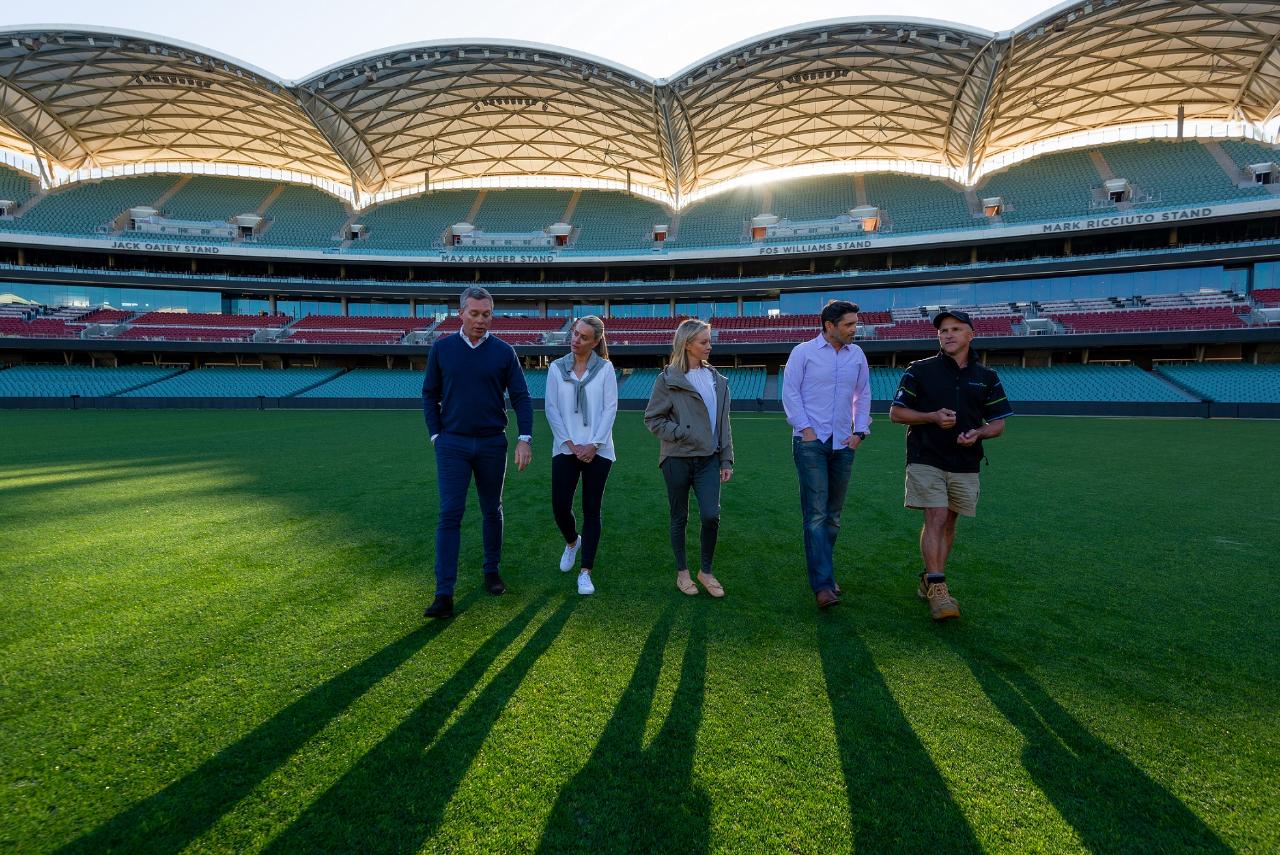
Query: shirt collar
x=463, y=336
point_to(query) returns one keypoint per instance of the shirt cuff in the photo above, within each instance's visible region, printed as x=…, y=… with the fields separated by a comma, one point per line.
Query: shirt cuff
x=524, y=437
x=433, y=438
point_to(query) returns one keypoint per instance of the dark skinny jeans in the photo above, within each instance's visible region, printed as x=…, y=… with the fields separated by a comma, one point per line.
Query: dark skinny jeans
x=702, y=474
x=565, y=472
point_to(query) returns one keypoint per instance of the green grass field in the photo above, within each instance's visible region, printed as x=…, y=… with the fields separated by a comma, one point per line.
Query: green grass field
x=212, y=640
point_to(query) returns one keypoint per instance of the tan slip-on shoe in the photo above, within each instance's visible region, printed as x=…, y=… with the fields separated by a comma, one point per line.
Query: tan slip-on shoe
x=685, y=584
x=713, y=586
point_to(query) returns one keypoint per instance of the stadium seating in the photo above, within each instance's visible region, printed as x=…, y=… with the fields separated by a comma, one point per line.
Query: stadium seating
x=37, y=328
x=83, y=209
x=637, y=384
x=182, y=333
x=818, y=198
x=1235, y=383
x=401, y=325
x=104, y=316
x=214, y=198
x=1246, y=152
x=370, y=383
x=53, y=381
x=718, y=220
x=413, y=223
x=913, y=204
x=1176, y=173
x=15, y=186
x=745, y=384
x=1123, y=383
x=1149, y=320
x=206, y=319
x=1050, y=187
x=303, y=217
x=608, y=220
x=537, y=383
x=344, y=336
x=233, y=382
x=1266, y=296
x=521, y=210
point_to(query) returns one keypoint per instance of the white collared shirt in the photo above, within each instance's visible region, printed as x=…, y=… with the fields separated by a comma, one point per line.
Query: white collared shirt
x=468, y=341
x=566, y=425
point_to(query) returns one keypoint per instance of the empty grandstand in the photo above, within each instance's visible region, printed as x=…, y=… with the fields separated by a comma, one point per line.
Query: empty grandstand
x=234, y=382
x=1230, y=383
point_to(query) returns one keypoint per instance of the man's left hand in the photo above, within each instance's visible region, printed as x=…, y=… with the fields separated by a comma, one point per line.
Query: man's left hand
x=853, y=441
x=524, y=453
x=969, y=437
x=725, y=475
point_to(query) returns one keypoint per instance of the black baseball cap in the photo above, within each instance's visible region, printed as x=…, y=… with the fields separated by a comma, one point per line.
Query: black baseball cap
x=962, y=317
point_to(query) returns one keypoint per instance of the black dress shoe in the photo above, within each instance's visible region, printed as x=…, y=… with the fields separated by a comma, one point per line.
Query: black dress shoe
x=494, y=585
x=441, y=607
x=826, y=597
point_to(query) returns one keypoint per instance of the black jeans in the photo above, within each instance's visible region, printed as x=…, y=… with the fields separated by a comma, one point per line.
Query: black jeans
x=703, y=475
x=565, y=472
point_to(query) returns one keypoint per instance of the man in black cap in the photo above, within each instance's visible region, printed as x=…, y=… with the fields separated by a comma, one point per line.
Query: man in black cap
x=951, y=403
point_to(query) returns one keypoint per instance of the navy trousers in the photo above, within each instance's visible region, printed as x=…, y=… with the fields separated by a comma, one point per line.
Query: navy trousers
x=458, y=459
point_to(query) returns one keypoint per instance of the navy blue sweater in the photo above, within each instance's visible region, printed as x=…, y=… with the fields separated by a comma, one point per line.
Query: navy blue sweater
x=463, y=390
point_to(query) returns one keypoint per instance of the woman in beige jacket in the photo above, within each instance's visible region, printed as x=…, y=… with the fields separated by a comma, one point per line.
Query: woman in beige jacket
x=689, y=412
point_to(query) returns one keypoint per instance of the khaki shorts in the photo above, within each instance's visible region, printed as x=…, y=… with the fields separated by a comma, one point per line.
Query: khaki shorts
x=931, y=487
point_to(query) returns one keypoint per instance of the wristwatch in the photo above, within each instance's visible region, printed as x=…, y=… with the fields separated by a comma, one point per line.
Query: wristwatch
x=860, y=434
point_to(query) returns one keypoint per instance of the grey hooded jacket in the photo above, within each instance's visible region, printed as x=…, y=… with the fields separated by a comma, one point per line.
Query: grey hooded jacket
x=678, y=417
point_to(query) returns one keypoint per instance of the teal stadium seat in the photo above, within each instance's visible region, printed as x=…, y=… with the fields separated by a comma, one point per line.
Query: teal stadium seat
x=1105, y=383
x=612, y=220
x=413, y=224
x=216, y=198
x=817, y=198
x=1233, y=383
x=521, y=210
x=1047, y=188
x=719, y=220
x=1177, y=173
x=745, y=384
x=16, y=186
x=1246, y=152
x=638, y=384
x=370, y=383
x=82, y=208
x=304, y=217
x=231, y=382
x=58, y=381
x=916, y=204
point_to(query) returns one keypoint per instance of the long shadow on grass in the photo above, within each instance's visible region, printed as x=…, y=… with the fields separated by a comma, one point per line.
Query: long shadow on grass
x=897, y=799
x=1112, y=804
x=629, y=798
x=172, y=818
x=393, y=799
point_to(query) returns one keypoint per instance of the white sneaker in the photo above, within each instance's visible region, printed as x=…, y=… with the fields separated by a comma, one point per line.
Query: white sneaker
x=570, y=556
x=584, y=584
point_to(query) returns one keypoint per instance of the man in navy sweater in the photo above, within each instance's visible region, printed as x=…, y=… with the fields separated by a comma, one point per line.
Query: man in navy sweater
x=463, y=399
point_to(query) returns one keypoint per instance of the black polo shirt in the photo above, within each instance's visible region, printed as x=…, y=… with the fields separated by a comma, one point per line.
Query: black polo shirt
x=974, y=392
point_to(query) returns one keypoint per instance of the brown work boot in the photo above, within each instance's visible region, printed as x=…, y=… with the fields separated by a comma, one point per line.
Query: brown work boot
x=942, y=606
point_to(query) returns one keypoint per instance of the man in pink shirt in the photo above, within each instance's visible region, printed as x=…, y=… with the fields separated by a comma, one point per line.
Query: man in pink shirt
x=826, y=392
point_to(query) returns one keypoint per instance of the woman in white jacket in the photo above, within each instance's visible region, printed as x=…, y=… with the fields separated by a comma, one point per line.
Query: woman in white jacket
x=581, y=405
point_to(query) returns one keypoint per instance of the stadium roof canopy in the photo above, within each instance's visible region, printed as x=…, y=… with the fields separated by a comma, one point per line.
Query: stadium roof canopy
x=838, y=92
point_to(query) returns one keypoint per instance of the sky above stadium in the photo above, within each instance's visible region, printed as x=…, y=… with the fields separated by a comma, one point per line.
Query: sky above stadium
x=292, y=38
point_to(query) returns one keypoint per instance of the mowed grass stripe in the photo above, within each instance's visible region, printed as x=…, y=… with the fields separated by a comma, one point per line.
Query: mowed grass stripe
x=211, y=639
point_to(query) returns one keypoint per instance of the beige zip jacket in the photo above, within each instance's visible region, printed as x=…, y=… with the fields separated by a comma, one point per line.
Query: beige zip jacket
x=677, y=416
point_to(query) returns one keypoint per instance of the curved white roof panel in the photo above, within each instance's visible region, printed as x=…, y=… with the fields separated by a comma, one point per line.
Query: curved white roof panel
x=832, y=91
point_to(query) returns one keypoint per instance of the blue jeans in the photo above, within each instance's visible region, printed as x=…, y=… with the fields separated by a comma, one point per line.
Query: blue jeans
x=457, y=459
x=824, y=480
